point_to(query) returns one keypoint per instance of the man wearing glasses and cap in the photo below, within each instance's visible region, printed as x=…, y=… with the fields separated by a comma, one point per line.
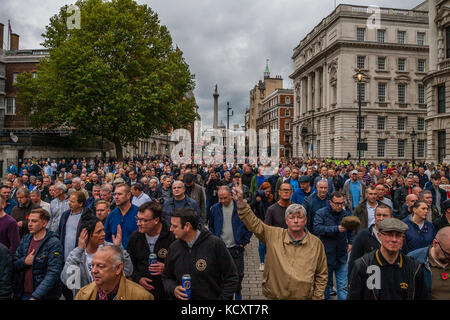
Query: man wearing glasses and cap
x=435, y=261
x=386, y=273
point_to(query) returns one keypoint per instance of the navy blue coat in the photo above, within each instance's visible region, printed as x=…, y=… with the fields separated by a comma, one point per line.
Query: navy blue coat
x=169, y=207
x=326, y=222
x=312, y=204
x=47, y=267
x=418, y=238
x=241, y=234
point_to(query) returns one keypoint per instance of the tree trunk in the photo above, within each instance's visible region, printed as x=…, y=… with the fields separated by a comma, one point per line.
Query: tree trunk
x=119, y=151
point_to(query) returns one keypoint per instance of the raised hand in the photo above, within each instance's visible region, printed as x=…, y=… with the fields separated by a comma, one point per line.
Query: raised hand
x=117, y=240
x=82, y=239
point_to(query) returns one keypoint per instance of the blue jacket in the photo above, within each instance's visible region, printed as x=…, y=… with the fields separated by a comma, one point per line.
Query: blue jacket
x=299, y=195
x=127, y=223
x=47, y=267
x=12, y=170
x=312, y=204
x=241, y=234
x=169, y=207
x=418, y=238
x=429, y=186
x=326, y=222
x=421, y=255
x=10, y=204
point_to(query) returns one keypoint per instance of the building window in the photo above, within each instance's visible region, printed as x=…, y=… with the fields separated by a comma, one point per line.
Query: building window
x=286, y=139
x=421, y=148
x=421, y=38
x=380, y=35
x=288, y=113
x=421, y=65
x=318, y=126
x=287, y=125
x=381, y=124
x=401, y=36
x=381, y=63
x=361, y=34
x=401, y=123
x=401, y=148
x=361, y=62
x=360, y=122
x=15, y=74
x=381, y=147
x=35, y=75
x=10, y=106
x=401, y=64
x=401, y=93
x=421, y=93
x=441, y=99
x=361, y=91
x=447, y=42
x=288, y=100
x=332, y=124
x=421, y=124
x=382, y=92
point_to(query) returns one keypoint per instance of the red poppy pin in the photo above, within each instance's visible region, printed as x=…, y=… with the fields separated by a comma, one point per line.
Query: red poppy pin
x=444, y=276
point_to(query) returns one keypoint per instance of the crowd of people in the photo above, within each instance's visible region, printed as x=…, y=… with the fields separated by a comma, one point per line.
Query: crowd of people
x=103, y=230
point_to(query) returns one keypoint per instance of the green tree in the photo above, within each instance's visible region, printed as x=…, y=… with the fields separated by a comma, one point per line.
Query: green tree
x=118, y=76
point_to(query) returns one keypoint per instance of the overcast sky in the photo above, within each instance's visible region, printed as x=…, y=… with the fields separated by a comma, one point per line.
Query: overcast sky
x=224, y=42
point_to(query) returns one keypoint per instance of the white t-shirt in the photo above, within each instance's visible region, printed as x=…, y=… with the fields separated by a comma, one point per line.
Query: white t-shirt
x=151, y=242
x=370, y=214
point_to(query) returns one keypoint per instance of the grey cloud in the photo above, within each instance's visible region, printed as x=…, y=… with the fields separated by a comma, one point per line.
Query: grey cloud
x=224, y=42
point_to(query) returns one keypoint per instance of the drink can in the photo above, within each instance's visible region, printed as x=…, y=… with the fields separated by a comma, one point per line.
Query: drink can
x=186, y=284
x=152, y=258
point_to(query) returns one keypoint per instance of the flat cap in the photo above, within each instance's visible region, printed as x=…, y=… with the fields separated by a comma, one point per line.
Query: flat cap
x=392, y=224
x=118, y=180
x=303, y=178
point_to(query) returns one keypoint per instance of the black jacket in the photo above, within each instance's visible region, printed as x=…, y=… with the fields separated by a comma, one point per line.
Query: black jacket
x=363, y=243
x=441, y=223
x=413, y=277
x=212, y=269
x=5, y=273
x=139, y=252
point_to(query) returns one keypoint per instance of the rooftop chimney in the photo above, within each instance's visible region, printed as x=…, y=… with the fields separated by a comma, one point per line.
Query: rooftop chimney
x=14, y=42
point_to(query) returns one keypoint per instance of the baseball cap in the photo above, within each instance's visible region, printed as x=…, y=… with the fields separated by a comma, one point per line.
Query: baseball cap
x=118, y=180
x=237, y=175
x=354, y=172
x=445, y=205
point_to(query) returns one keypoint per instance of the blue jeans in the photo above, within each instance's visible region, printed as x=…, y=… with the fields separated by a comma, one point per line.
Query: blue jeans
x=340, y=271
x=261, y=251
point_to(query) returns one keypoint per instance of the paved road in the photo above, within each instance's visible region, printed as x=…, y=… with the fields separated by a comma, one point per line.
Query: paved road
x=251, y=284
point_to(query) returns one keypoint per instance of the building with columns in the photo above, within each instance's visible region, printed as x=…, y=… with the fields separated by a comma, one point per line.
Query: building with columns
x=393, y=56
x=437, y=82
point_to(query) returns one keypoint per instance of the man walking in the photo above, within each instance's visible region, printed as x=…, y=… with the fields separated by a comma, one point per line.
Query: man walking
x=225, y=223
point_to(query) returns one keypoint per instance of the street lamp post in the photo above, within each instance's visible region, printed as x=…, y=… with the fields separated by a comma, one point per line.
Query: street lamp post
x=228, y=122
x=359, y=76
x=312, y=133
x=413, y=136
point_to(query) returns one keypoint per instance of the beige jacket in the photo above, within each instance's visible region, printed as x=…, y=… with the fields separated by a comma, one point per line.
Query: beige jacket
x=128, y=290
x=290, y=273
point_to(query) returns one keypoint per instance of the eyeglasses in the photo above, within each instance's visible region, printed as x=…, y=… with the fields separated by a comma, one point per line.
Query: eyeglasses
x=338, y=203
x=446, y=254
x=142, y=221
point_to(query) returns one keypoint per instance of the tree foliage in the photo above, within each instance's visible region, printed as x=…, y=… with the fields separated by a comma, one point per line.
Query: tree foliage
x=117, y=76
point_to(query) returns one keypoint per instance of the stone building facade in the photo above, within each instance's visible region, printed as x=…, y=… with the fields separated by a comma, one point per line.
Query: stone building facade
x=437, y=82
x=393, y=56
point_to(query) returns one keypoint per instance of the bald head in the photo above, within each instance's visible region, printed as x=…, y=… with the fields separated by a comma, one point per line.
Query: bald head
x=443, y=236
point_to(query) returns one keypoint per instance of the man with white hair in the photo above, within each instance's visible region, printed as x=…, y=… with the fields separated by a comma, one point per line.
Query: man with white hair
x=294, y=246
x=76, y=186
x=57, y=206
x=35, y=196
